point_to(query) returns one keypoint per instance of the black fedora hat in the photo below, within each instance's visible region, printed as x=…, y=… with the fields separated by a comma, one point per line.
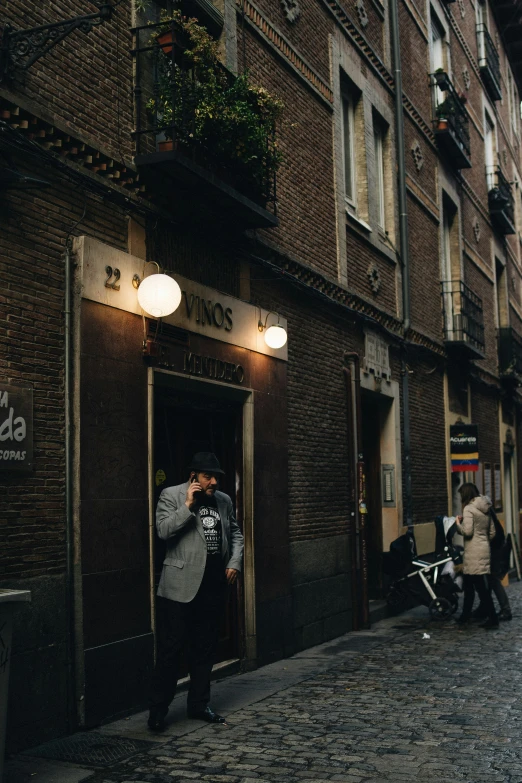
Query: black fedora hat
x=206, y=462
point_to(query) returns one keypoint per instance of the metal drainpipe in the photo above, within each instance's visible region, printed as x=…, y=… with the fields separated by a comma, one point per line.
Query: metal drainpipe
x=404, y=254
x=69, y=530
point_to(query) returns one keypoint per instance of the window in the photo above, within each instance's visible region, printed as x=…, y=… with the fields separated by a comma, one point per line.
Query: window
x=449, y=222
x=514, y=103
x=501, y=305
x=482, y=26
x=450, y=264
x=437, y=54
x=379, y=134
x=348, y=120
x=490, y=152
x=482, y=29
x=516, y=201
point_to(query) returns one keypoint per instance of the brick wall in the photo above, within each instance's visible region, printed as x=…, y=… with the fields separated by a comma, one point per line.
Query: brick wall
x=34, y=229
x=428, y=446
x=305, y=193
x=425, y=271
x=318, y=490
x=361, y=259
x=484, y=412
x=86, y=80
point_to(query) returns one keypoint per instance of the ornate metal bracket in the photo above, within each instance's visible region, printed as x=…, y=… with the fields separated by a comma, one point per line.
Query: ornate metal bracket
x=20, y=49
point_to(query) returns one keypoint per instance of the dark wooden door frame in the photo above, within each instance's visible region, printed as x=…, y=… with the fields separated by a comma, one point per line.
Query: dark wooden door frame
x=245, y=396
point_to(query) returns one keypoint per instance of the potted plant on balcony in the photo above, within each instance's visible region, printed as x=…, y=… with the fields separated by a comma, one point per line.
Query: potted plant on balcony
x=445, y=111
x=222, y=121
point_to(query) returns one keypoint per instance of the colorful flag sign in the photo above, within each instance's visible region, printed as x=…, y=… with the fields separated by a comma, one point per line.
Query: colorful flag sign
x=464, y=447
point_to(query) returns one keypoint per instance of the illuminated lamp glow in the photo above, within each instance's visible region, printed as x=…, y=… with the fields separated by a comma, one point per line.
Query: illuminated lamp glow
x=275, y=336
x=159, y=295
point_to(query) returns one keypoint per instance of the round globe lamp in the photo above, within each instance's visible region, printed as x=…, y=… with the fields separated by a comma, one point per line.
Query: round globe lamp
x=275, y=336
x=159, y=295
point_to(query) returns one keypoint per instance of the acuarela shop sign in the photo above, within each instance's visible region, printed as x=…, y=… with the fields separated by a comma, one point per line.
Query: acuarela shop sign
x=16, y=427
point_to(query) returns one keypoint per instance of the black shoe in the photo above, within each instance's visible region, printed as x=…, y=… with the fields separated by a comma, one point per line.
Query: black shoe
x=505, y=615
x=463, y=620
x=489, y=624
x=208, y=715
x=478, y=614
x=157, y=715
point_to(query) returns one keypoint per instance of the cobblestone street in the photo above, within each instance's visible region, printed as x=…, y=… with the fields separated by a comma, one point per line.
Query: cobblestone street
x=386, y=705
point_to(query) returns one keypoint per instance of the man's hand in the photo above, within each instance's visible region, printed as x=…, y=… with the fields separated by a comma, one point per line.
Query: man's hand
x=231, y=574
x=193, y=488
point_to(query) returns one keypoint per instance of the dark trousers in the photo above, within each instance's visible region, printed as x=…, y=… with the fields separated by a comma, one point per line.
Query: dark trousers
x=500, y=593
x=480, y=583
x=197, y=621
x=498, y=588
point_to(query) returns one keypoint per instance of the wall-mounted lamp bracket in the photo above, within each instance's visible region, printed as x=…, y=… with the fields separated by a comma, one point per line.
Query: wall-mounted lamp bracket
x=275, y=335
x=136, y=280
x=20, y=49
x=262, y=326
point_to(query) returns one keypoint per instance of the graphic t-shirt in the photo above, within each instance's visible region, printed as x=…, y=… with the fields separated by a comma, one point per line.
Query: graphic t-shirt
x=211, y=521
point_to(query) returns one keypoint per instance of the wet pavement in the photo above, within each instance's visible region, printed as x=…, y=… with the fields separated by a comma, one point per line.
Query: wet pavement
x=387, y=704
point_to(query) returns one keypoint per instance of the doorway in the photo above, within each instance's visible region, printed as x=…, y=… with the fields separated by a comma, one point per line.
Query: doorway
x=185, y=423
x=509, y=491
x=371, y=444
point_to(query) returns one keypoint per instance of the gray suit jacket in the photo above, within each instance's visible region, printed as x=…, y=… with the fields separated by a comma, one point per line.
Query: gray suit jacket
x=186, y=557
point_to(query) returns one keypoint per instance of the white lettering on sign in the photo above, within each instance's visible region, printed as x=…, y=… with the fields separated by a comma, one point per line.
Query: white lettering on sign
x=13, y=429
x=16, y=455
x=16, y=428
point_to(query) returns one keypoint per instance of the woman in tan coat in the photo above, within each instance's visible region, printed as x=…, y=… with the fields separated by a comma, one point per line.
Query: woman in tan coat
x=477, y=528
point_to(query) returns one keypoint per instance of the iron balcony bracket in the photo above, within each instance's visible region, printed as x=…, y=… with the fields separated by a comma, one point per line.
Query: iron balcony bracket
x=20, y=49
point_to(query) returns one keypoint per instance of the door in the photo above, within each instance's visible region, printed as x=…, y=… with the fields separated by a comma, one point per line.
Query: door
x=371, y=443
x=183, y=425
x=508, y=492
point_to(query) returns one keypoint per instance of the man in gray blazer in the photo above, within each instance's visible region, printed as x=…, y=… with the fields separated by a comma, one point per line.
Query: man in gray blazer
x=204, y=554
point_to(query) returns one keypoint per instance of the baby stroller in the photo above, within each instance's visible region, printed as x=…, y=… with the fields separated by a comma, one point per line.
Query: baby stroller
x=422, y=578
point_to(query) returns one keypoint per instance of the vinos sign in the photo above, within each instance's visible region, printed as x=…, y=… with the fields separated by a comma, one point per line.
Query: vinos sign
x=16, y=428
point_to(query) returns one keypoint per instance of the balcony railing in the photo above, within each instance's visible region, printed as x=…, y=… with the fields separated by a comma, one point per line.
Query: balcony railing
x=451, y=123
x=489, y=62
x=463, y=318
x=510, y=353
x=500, y=200
x=179, y=140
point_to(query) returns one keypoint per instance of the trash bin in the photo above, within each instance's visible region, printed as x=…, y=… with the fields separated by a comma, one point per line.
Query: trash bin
x=9, y=601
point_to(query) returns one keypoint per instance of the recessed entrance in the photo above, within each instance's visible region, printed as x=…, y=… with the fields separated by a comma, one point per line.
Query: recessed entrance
x=378, y=445
x=371, y=435
x=191, y=416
